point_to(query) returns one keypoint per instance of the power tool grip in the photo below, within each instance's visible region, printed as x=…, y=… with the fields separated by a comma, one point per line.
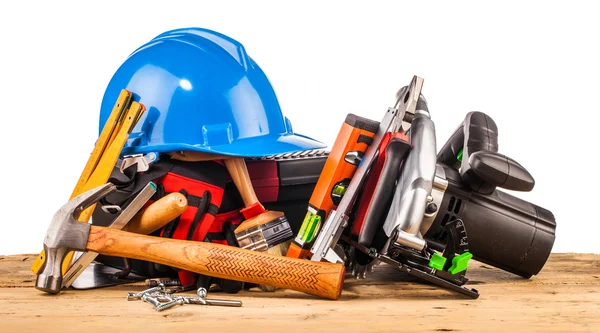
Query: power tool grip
x=379, y=187
x=478, y=131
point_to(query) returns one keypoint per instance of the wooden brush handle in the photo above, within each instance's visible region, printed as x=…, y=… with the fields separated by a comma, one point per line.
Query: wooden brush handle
x=239, y=172
x=258, y=220
x=221, y=261
x=158, y=214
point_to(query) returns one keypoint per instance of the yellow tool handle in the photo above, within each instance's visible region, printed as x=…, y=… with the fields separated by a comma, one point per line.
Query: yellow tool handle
x=104, y=167
x=111, y=155
x=103, y=140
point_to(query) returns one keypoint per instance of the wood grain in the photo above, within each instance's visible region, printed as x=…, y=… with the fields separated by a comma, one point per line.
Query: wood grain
x=564, y=297
x=316, y=278
x=239, y=173
x=157, y=214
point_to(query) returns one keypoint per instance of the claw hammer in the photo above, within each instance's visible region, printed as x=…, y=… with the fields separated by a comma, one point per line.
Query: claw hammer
x=65, y=233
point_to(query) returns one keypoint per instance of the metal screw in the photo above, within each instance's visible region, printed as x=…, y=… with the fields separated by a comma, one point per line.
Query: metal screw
x=161, y=286
x=134, y=296
x=202, y=301
x=195, y=300
x=163, y=297
x=166, y=282
x=160, y=294
x=170, y=304
x=151, y=300
x=221, y=302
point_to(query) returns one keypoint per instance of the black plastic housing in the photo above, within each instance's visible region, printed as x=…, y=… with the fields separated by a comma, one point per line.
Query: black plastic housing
x=481, y=166
x=503, y=231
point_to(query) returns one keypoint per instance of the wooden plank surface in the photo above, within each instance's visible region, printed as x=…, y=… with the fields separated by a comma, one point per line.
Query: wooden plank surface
x=564, y=297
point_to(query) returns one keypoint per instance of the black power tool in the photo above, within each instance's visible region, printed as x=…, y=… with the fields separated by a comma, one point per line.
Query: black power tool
x=447, y=210
x=503, y=231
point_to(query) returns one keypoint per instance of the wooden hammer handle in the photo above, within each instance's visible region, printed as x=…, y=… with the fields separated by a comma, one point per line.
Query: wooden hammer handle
x=221, y=261
x=239, y=172
x=159, y=213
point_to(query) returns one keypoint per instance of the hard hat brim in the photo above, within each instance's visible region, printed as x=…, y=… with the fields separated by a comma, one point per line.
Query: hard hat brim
x=260, y=146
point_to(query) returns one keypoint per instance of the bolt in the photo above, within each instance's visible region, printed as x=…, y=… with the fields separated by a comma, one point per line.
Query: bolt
x=431, y=208
x=201, y=292
x=170, y=304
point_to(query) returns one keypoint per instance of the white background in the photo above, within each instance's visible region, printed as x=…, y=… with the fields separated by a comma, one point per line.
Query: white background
x=533, y=67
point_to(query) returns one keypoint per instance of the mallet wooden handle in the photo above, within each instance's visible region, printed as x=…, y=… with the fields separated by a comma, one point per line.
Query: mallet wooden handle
x=316, y=278
x=159, y=213
x=239, y=173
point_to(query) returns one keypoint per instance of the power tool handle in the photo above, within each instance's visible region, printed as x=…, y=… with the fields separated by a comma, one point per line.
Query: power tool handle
x=478, y=131
x=221, y=261
x=481, y=166
x=393, y=155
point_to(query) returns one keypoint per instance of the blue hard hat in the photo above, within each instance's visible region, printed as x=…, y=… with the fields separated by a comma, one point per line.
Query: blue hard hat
x=202, y=92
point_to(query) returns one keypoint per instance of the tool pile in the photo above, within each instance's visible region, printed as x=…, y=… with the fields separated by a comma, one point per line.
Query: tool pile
x=207, y=201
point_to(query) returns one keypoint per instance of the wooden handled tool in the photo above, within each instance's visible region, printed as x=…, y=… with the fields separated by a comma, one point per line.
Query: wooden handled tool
x=227, y=262
x=66, y=233
x=239, y=173
x=267, y=231
x=146, y=221
x=159, y=213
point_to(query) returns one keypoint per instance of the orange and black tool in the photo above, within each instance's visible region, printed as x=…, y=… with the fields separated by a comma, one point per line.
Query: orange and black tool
x=355, y=135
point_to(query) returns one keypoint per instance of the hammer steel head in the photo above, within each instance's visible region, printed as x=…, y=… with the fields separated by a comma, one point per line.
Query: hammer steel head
x=65, y=234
